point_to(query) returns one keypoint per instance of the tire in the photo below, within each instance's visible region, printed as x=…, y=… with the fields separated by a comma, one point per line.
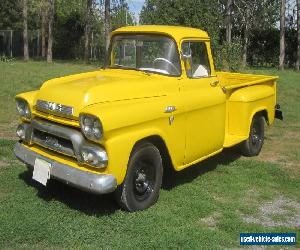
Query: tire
x=143, y=179
x=252, y=146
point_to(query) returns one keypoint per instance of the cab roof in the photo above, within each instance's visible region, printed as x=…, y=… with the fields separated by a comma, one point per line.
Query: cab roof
x=177, y=32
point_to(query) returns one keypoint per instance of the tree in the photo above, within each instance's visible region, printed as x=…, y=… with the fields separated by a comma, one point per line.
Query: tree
x=87, y=30
x=43, y=34
x=246, y=37
x=282, y=35
x=25, y=31
x=246, y=10
x=50, y=31
x=254, y=15
x=202, y=14
x=120, y=15
x=228, y=21
x=106, y=25
x=39, y=15
x=11, y=14
x=298, y=35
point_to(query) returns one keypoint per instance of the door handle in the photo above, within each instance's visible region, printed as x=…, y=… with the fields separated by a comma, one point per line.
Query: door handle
x=214, y=83
x=170, y=109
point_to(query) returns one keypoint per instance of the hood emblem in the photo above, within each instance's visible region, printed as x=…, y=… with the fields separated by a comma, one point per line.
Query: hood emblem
x=52, y=107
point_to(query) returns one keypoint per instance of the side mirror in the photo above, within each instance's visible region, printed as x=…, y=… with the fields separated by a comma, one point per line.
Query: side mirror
x=187, y=60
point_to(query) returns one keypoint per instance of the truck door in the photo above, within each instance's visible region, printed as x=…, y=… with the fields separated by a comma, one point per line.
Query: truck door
x=204, y=101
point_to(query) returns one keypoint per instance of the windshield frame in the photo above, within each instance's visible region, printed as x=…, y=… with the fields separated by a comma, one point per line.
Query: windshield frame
x=138, y=34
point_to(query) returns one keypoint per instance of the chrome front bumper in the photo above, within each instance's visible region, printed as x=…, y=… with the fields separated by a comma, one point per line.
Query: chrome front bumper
x=90, y=182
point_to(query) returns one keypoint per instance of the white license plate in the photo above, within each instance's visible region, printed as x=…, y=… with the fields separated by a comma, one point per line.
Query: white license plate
x=41, y=171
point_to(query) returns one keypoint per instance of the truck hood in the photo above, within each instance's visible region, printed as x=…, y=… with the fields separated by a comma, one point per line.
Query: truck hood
x=109, y=85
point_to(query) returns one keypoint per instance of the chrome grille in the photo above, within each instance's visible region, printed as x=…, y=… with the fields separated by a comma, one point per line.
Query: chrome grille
x=53, y=107
x=62, y=139
x=53, y=142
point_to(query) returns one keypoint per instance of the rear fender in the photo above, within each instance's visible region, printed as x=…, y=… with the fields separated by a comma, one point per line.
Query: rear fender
x=244, y=103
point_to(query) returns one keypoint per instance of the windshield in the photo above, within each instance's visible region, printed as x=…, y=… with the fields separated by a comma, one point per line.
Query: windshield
x=152, y=53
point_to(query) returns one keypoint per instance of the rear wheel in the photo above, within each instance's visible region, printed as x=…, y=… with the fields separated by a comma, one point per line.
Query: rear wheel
x=142, y=183
x=252, y=146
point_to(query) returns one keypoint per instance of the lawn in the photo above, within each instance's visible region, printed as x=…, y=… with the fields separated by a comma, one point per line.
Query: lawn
x=206, y=206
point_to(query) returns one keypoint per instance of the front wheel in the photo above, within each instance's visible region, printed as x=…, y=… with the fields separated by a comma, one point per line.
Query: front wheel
x=252, y=146
x=142, y=183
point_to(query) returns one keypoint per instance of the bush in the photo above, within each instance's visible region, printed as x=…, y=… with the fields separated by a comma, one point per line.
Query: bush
x=229, y=55
x=4, y=58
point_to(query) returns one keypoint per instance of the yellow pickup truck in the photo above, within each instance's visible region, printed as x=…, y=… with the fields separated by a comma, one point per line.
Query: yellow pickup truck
x=159, y=100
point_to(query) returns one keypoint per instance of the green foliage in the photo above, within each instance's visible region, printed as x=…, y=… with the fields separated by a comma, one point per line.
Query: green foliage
x=70, y=21
x=119, y=12
x=4, y=58
x=10, y=14
x=228, y=56
x=210, y=16
x=192, y=13
x=263, y=15
x=202, y=15
x=68, y=36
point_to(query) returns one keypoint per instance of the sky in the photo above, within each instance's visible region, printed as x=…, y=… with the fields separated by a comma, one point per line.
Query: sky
x=135, y=7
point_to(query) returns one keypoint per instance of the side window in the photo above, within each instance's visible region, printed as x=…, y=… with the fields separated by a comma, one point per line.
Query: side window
x=196, y=59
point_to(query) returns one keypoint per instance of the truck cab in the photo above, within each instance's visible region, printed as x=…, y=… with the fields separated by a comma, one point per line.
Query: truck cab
x=159, y=99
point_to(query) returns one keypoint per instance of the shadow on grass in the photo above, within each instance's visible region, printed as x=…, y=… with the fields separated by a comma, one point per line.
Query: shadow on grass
x=90, y=204
x=173, y=179
x=99, y=205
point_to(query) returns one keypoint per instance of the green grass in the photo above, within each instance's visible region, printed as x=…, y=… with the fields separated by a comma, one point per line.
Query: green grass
x=200, y=207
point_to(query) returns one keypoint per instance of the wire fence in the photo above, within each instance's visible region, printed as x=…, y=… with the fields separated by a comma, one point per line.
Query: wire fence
x=11, y=45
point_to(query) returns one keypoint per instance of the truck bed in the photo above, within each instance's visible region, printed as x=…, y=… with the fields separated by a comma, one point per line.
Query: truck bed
x=246, y=94
x=236, y=80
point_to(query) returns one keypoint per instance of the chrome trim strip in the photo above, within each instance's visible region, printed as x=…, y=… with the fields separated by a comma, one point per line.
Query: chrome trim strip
x=90, y=182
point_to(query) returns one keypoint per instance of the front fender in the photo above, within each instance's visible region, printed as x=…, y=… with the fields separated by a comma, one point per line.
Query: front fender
x=29, y=97
x=126, y=122
x=119, y=148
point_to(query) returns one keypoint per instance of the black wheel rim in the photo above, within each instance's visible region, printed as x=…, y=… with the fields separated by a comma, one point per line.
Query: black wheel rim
x=256, y=135
x=143, y=180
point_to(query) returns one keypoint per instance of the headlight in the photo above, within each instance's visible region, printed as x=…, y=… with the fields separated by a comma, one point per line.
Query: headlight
x=23, y=108
x=91, y=127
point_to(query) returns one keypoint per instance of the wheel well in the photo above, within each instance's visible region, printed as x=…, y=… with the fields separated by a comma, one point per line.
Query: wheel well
x=158, y=142
x=264, y=113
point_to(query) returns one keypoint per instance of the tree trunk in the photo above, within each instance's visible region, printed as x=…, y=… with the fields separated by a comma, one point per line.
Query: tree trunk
x=282, y=35
x=50, y=33
x=228, y=21
x=246, y=39
x=25, y=31
x=298, y=35
x=43, y=33
x=87, y=30
x=107, y=26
